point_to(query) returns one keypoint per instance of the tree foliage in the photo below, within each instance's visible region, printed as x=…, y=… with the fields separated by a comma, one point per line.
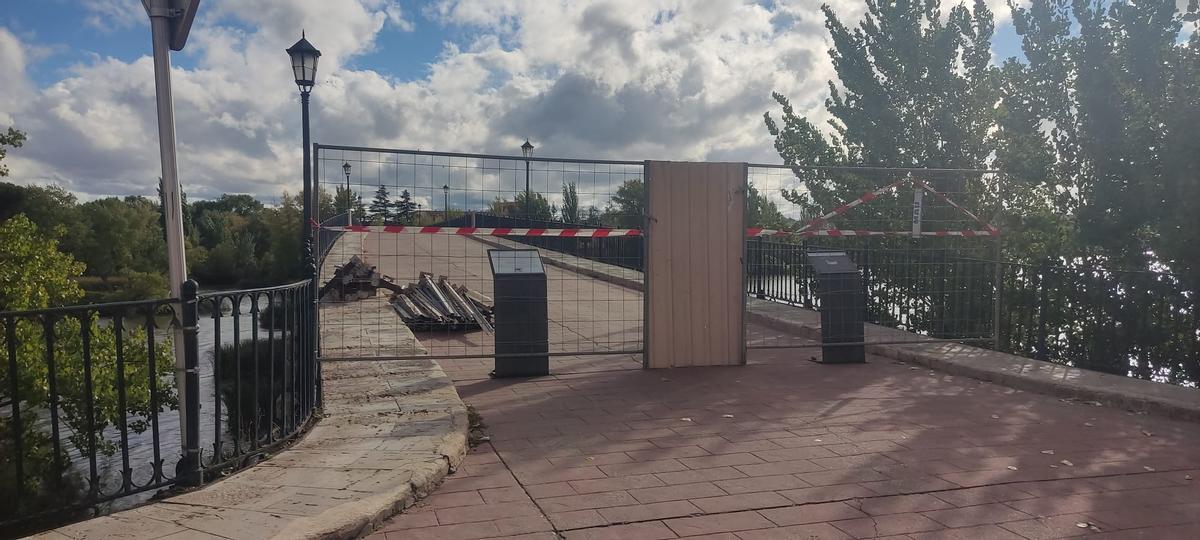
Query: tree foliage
x=570, y=205
x=34, y=274
x=12, y=139
x=627, y=206
x=1093, y=130
x=381, y=207
x=763, y=212
x=1101, y=118
x=231, y=240
x=536, y=206
x=405, y=209
x=915, y=88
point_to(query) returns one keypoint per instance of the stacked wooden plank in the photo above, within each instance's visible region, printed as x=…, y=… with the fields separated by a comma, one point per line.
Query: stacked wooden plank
x=431, y=306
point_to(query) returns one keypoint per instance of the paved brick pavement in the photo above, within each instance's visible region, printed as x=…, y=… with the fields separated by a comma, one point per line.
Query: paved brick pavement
x=784, y=448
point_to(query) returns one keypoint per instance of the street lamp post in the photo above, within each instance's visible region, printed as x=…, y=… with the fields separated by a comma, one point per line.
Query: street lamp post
x=527, y=151
x=446, y=203
x=349, y=195
x=304, y=67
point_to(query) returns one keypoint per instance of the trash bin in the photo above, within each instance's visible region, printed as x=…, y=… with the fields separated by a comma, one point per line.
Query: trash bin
x=522, y=332
x=843, y=307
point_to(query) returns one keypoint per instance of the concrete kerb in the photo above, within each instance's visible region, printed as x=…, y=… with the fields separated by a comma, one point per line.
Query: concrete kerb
x=1001, y=368
x=432, y=389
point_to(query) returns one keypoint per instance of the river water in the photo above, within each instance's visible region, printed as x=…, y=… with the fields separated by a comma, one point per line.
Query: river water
x=141, y=445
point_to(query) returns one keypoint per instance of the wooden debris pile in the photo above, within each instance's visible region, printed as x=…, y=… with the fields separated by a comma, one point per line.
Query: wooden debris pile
x=429, y=306
x=356, y=280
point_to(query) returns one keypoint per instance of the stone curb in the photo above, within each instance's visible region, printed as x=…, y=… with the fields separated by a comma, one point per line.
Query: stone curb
x=1021, y=373
x=365, y=515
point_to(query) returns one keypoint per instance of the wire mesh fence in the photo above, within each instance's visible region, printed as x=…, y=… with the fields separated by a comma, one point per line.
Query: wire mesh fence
x=415, y=277
x=918, y=248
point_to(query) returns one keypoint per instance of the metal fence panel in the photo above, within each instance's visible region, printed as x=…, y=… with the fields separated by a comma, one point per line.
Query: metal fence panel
x=920, y=238
x=438, y=214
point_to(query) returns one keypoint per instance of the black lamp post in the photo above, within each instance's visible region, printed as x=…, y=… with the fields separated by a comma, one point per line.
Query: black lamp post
x=527, y=151
x=304, y=66
x=349, y=195
x=446, y=203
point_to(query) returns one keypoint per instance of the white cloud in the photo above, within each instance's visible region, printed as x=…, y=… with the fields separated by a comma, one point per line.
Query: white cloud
x=111, y=15
x=17, y=89
x=629, y=79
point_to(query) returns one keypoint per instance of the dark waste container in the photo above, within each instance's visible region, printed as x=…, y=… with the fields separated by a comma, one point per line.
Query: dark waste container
x=843, y=307
x=522, y=332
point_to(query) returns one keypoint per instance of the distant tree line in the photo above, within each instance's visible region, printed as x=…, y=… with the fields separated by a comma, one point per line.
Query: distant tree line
x=234, y=240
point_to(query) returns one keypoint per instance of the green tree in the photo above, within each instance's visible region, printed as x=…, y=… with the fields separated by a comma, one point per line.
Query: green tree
x=12, y=139
x=592, y=216
x=763, y=212
x=48, y=207
x=279, y=261
x=122, y=236
x=405, y=209
x=344, y=200
x=537, y=207
x=35, y=275
x=1105, y=106
x=627, y=206
x=570, y=206
x=381, y=207
x=240, y=204
x=915, y=89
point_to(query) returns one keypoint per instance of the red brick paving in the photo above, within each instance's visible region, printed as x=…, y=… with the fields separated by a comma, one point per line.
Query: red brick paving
x=603, y=449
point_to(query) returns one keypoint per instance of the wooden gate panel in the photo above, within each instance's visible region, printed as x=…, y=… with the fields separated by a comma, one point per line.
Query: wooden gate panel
x=695, y=242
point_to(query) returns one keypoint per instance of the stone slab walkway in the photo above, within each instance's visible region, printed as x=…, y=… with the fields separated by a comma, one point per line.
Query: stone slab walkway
x=786, y=448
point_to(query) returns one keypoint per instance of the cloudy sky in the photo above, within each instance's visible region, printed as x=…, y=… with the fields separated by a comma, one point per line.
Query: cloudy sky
x=618, y=79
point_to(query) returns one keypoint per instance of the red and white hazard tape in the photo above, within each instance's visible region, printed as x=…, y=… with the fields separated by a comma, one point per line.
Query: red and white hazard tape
x=609, y=233
x=811, y=229
x=853, y=232
x=491, y=231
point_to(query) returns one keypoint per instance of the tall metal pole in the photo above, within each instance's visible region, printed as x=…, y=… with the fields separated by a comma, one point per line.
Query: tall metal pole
x=172, y=204
x=309, y=208
x=528, y=201
x=349, y=202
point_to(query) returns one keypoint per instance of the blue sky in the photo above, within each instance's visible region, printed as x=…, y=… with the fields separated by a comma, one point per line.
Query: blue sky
x=624, y=79
x=68, y=36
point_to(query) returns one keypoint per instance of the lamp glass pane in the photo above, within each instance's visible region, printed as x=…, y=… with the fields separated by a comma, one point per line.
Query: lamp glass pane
x=298, y=68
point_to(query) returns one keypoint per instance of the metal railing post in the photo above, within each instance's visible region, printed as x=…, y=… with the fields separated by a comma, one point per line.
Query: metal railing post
x=1043, y=288
x=189, y=469
x=759, y=279
x=313, y=345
